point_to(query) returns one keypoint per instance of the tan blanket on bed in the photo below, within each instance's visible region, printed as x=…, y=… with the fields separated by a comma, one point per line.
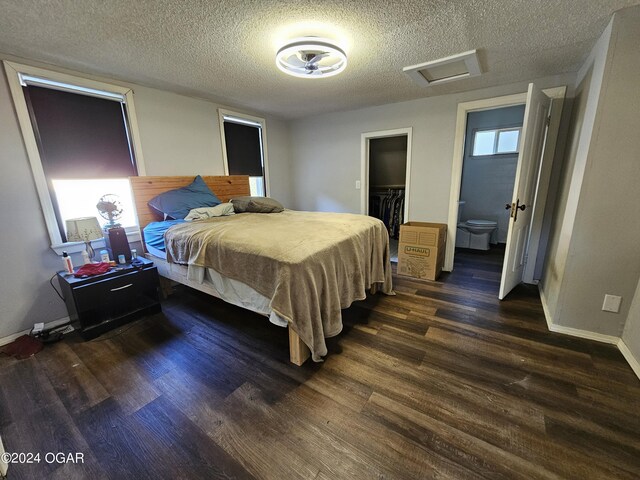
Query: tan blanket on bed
x=310, y=264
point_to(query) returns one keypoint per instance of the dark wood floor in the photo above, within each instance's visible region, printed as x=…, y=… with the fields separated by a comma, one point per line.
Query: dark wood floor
x=440, y=381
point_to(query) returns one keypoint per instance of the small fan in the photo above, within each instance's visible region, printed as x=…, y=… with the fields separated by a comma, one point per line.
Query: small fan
x=311, y=57
x=310, y=60
x=110, y=209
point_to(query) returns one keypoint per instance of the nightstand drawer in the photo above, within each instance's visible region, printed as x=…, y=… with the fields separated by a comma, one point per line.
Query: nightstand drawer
x=99, y=303
x=114, y=297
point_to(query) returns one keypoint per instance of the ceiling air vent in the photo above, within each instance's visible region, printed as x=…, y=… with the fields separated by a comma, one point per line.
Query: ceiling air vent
x=455, y=67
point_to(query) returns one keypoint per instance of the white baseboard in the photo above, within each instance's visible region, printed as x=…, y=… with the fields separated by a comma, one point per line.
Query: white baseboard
x=53, y=324
x=626, y=353
x=598, y=337
x=545, y=308
x=3, y=465
x=576, y=332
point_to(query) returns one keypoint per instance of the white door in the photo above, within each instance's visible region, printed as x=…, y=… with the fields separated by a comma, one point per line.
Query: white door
x=532, y=139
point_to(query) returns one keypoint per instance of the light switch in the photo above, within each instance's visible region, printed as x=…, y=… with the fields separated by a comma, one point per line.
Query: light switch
x=611, y=303
x=357, y=184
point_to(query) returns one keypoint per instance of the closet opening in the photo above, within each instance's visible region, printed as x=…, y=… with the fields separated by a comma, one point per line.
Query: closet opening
x=385, y=178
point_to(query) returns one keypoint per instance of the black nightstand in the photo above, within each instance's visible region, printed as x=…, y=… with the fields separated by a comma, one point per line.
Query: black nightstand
x=102, y=302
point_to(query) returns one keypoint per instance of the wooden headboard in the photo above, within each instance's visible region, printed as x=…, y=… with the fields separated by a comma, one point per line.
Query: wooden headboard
x=145, y=188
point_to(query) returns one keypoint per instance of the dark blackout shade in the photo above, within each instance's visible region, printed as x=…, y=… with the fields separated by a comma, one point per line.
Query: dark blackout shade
x=244, y=153
x=79, y=136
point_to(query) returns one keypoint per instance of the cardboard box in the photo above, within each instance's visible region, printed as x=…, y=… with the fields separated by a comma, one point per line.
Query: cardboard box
x=423, y=234
x=421, y=249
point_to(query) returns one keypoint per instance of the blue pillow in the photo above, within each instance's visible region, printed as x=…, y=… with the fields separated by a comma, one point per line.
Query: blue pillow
x=176, y=204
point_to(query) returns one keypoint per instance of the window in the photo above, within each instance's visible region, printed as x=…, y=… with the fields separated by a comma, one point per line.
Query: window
x=78, y=198
x=496, y=141
x=84, y=149
x=244, y=149
x=80, y=138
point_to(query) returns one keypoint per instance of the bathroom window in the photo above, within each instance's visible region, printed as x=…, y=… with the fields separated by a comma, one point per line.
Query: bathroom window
x=496, y=141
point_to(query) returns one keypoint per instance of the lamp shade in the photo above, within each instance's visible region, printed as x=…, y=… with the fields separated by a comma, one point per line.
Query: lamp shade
x=83, y=229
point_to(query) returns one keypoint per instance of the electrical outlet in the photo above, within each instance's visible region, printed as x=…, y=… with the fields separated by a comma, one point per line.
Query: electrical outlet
x=611, y=303
x=357, y=184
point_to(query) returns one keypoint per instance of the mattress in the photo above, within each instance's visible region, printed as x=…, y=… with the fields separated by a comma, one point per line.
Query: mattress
x=230, y=290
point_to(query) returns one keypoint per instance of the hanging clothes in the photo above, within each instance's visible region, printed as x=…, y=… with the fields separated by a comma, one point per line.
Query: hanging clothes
x=388, y=206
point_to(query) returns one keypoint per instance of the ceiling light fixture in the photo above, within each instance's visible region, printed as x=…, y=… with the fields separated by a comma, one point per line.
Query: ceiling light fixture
x=311, y=57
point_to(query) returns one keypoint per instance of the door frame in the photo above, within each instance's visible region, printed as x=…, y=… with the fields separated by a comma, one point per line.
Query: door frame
x=557, y=95
x=364, y=166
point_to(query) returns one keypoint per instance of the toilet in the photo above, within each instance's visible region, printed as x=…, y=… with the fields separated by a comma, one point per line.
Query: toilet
x=476, y=234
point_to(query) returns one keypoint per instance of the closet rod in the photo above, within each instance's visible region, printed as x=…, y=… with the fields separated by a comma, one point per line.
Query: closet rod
x=385, y=187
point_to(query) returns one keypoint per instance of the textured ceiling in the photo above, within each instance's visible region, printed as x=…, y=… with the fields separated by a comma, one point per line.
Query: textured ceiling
x=225, y=50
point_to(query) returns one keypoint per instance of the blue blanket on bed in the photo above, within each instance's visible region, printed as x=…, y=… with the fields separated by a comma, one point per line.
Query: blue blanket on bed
x=154, y=233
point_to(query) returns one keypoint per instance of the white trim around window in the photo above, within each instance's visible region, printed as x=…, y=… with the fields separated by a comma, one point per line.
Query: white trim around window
x=14, y=73
x=248, y=120
x=496, y=141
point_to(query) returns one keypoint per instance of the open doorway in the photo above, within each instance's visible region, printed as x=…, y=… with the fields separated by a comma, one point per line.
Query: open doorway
x=489, y=166
x=526, y=206
x=386, y=165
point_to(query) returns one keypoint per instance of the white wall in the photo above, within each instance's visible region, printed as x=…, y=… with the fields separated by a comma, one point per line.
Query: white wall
x=487, y=181
x=279, y=151
x=589, y=83
x=631, y=333
x=179, y=136
x=28, y=262
x=326, y=150
x=598, y=227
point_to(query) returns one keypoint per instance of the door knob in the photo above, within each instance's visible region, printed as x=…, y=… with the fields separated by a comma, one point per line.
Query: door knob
x=507, y=206
x=514, y=207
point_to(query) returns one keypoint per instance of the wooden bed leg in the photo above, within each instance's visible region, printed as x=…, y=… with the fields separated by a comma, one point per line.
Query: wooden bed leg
x=298, y=351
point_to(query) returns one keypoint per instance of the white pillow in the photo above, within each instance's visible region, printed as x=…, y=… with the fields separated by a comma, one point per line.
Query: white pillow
x=209, y=212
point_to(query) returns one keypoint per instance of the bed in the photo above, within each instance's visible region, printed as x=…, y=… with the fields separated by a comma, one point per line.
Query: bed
x=297, y=268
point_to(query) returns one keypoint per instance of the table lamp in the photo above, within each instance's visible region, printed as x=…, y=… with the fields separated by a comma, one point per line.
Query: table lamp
x=84, y=229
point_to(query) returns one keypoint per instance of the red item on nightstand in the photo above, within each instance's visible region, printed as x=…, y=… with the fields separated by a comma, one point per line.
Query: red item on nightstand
x=91, y=269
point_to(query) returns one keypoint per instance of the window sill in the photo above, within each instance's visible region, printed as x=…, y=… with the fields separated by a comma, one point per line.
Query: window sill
x=497, y=155
x=133, y=235
x=501, y=154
